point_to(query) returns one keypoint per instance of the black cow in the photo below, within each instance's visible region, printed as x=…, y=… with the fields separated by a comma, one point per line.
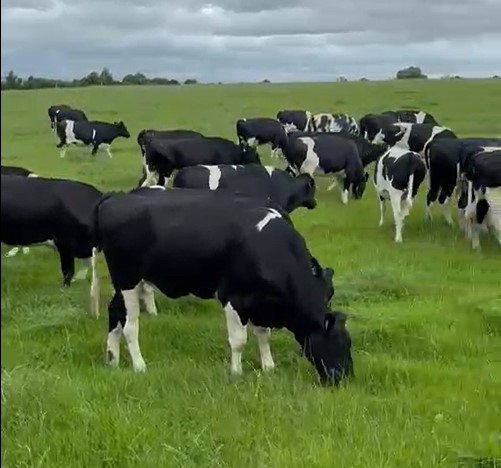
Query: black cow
x=16, y=170
x=164, y=134
x=52, y=112
x=336, y=123
x=69, y=113
x=443, y=157
x=295, y=120
x=397, y=177
x=165, y=156
x=53, y=212
x=213, y=245
x=92, y=133
x=254, y=180
x=331, y=154
x=413, y=137
x=262, y=131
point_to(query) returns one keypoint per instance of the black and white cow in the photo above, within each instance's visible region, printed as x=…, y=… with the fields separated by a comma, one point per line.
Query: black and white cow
x=254, y=180
x=293, y=120
x=17, y=171
x=177, y=133
x=412, y=137
x=329, y=154
x=482, y=200
x=442, y=157
x=397, y=177
x=68, y=113
x=261, y=131
x=336, y=123
x=94, y=133
x=52, y=112
x=51, y=212
x=214, y=245
x=163, y=157
x=411, y=116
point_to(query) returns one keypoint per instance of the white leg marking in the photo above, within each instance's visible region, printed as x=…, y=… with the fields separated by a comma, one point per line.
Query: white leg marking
x=150, y=178
x=446, y=212
x=148, y=298
x=237, y=337
x=263, y=336
x=382, y=206
x=62, y=153
x=94, y=287
x=108, y=150
x=344, y=196
x=131, y=328
x=12, y=252
x=398, y=218
x=26, y=250
x=113, y=345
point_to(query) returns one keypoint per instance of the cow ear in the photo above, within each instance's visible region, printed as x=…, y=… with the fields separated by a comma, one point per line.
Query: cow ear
x=335, y=322
x=366, y=176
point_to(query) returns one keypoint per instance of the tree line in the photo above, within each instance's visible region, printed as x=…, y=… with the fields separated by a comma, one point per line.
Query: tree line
x=104, y=78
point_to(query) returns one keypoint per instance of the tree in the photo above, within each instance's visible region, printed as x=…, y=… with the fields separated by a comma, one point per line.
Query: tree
x=106, y=77
x=190, y=81
x=12, y=81
x=410, y=73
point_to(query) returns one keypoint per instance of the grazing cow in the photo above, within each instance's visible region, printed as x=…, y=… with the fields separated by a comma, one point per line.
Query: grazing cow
x=411, y=116
x=17, y=171
x=94, y=133
x=164, y=134
x=52, y=212
x=213, y=245
x=253, y=180
x=412, y=137
x=329, y=154
x=397, y=176
x=483, y=195
x=165, y=156
x=442, y=157
x=52, y=112
x=337, y=123
x=262, y=131
x=295, y=120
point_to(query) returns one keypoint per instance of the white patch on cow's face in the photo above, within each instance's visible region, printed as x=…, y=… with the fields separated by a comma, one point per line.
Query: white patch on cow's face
x=214, y=176
x=269, y=169
x=311, y=162
x=272, y=214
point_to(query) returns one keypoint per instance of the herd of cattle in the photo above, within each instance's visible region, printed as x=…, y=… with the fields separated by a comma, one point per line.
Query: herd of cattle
x=224, y=231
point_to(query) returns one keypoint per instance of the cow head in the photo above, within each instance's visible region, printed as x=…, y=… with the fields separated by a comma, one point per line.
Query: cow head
x=250, y=155
x=358, y=188
x=369, y=126
x=122, y=129
x=329, y=349
x=302, y=193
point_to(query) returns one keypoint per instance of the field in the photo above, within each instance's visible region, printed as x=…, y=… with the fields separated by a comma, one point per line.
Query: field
x=426, y=335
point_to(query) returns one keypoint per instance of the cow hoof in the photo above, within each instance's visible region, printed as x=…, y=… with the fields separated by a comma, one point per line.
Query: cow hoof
x=140, y=366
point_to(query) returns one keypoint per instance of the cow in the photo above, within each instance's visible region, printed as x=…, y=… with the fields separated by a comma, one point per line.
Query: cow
x=295, y=120
x=90, y=133
x=397, y=177
x=52, y=212
x=164, y=134
x=23, y=172
x=482, y=200
x=413, y=137
x=329, y=154
x=337, y=123
x=213, y=245
x=254, y=180
x=371, y=124
x=52, y=112
x=443, y=157
x=68, y=113
x=165, y=156
x=262, y=131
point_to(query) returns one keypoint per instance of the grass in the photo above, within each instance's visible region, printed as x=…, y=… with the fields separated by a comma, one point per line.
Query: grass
x=426, y=334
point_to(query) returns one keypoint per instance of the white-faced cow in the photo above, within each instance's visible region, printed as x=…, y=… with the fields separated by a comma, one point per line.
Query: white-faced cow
x=329, y=154
x=89, y=133
x=412, y=137
x=336, y=123
x=253, y=180
x=397, y=177
x=295, y=120
x=51, y=212
x=215, y=245
x=163, y=157
x=261, y=131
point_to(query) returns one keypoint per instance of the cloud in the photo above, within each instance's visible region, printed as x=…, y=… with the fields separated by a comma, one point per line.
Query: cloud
x=248, y=40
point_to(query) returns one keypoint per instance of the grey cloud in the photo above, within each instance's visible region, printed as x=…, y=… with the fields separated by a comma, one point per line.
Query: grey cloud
x=228, y=40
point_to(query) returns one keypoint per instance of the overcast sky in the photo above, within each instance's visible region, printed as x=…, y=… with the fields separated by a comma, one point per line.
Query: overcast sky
x=249, y=40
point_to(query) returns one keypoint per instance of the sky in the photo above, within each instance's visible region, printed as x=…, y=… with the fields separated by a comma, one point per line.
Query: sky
x=251, y=40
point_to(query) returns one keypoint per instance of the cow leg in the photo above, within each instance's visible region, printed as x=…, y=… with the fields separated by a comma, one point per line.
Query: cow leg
x=131, y=328
x=149, y=178
x=95, y=147
x=12, y=252
x=382, y=206
x=67, y=262
x=431, y=197
x=147, y=295
x=443, y=199
x=263, y=336
x=116, y=322
x=107, y=147
x=344, y=193
x=397, y=216
x=26, y=250
x=237, y=337
x=64, y=148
